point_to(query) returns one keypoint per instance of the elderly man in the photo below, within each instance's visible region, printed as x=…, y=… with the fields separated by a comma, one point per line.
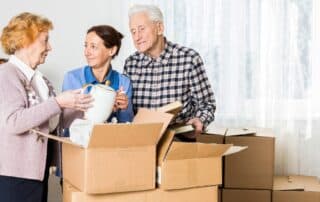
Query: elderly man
x=163, y=72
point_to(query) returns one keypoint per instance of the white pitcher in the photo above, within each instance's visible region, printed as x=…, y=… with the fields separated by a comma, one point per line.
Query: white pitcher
x=104, y=97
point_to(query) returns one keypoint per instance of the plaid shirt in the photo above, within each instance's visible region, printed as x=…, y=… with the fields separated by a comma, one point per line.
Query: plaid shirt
x=177, y=74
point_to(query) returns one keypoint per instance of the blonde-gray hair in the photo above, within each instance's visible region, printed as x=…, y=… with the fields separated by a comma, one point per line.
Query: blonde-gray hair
x=22, y=30
x=152, y=11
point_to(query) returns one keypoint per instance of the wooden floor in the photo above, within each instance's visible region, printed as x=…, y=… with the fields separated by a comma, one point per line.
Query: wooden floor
x=55, y=194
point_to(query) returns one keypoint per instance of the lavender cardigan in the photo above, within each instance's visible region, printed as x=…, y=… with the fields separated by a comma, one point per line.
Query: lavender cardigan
x=22, y=154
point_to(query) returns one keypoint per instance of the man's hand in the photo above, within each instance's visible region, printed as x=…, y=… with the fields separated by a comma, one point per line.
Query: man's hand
x=198, y=128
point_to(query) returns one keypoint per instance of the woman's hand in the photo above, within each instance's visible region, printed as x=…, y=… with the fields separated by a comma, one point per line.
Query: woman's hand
x=74, y=99
x=121, y=100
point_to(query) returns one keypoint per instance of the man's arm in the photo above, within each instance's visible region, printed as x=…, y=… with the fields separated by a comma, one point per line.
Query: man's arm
x=202, y=93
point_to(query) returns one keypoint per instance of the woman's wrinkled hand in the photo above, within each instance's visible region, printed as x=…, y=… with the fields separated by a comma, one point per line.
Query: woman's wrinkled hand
x=74, y=99
x=121, y=100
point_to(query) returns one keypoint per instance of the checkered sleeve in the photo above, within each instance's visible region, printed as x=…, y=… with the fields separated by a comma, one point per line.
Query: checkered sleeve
x=130, y=64
x=202, y=94
x=125, y=67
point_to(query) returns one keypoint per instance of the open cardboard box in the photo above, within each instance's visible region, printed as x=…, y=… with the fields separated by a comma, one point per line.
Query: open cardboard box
x=296, y=189
x=203, y=194
x=184, y=165
x=172, y=108
x=213, y=134
x=119, y=157
x=253, y=168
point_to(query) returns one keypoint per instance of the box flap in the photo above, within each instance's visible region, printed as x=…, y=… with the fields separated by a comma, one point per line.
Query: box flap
x=240, y=131
x=295, y=182
x=311, y=183
x=261, y=132
x=285, y=183
x=234, y=149
x=215, y=130
x=265, y=132
x=124, y=135
x=164, y=145
x=151, y=116
x=172, y=108
x=312, y=187
x=55, y=137
x=183, y=150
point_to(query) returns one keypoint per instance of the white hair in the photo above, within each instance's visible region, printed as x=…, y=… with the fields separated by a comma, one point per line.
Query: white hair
x=152, y=11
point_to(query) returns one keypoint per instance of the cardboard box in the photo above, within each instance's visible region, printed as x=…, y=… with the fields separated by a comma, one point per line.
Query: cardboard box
x=172, y=108
x=213, y=134
x=119, y=157
x=246, y=195
x=219, y=194
x=296, y=189
x=254, y=167
x=185, y=165
x=203, y=194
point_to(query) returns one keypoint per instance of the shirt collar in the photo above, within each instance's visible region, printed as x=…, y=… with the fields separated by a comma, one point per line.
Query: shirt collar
x=90, y=78
x=166, y=53
x=163, y=57
x=24, y=68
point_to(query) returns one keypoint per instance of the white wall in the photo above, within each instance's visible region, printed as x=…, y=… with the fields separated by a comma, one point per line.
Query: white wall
x=71, y=19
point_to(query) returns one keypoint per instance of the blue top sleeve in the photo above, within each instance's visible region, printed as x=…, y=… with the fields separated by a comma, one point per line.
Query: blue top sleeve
x=73, y=79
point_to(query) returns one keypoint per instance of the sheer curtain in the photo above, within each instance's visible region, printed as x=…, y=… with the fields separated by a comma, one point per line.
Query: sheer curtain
x=262, y=60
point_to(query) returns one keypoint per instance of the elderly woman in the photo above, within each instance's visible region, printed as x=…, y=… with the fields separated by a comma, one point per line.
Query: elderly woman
x=102, y=44
x=28, y=102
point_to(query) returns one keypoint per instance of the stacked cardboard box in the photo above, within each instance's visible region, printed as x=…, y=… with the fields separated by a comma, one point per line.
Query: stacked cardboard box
x=248, y=176
x=203, y=194
x=183, y=170
x=213, y=135
x=296, y=189
x=246, y=195
x=120, y=163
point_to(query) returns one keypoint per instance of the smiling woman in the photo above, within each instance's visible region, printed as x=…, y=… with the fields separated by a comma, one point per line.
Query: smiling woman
x=101, y=46
x=29, y=102
x=24, y=29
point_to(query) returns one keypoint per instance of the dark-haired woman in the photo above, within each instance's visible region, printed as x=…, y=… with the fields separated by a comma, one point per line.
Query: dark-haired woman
x=101, y=45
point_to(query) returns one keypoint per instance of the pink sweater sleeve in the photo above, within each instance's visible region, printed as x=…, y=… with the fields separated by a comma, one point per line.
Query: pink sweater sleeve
x=15, y=117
